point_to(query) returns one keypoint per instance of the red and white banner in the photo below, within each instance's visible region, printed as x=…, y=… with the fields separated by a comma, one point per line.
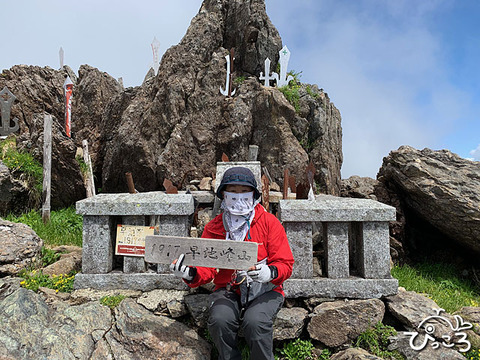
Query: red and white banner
x=68, y=88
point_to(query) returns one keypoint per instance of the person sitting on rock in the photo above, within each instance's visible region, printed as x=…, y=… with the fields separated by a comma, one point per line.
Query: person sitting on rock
x=247, y=300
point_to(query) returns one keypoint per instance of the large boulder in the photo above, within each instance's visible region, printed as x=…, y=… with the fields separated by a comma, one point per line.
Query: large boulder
x=20, y=247
x=177, y=124
x=339, y=322
x=440, y=191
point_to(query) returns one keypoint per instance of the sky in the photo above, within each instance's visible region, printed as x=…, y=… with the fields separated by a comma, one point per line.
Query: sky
x=402, y=72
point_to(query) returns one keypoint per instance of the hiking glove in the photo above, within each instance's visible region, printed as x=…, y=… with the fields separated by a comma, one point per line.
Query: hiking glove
x=183, y=271
x=263, y=273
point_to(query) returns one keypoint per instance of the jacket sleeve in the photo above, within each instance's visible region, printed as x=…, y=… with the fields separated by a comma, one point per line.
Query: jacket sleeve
x=204, y=274
x=279, y=252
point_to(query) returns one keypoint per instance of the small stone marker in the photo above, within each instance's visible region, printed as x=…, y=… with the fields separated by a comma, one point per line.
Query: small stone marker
x=223, y=254
x=6, y=102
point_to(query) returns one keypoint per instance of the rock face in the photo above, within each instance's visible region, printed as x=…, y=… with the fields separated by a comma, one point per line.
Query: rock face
x=33, y=329
x=39, y=91
x=439, y=189
x=19, y=247
x=13, y=192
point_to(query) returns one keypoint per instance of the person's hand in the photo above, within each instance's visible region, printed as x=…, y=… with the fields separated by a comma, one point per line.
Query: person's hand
x=261, y=273
x=180, y=270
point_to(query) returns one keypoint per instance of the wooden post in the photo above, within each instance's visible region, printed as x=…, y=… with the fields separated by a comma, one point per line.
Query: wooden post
x=265, y=193
x=130, y=184
x=286, y=181
x=47, y=167
x=89, y=182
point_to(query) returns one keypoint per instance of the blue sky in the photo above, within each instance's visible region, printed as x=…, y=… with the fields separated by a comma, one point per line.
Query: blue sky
x=401, y=72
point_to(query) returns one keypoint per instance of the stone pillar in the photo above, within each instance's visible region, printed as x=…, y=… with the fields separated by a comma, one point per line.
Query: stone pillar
x=97, y=254
x=336, y=249
x=133, y=264
x=375, y=250
x=172, y=226
x=300, y=239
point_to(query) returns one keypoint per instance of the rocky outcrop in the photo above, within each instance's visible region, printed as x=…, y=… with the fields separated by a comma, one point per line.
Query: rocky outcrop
x=13, y=192
x=440, y=191
x=177, y=124
x=19, y=247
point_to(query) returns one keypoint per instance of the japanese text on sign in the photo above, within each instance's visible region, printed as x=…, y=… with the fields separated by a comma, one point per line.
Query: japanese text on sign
x=131, y=239
x=224, y=254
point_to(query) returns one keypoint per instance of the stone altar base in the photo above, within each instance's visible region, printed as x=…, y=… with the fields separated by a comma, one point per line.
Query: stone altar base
x=353, y=288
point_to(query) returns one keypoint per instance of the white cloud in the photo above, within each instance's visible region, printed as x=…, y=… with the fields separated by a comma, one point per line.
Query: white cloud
x=476, y=153
x=385, y=76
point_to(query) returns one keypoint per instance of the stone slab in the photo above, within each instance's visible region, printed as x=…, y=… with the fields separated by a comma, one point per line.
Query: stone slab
x=148, y=203
x=254, y=166
x=299, y=237
x=98, y=247
x=202, y=196
x=225, y=254
x=336, y=254
x=328, y=208
x=375, y=250
x=142, y=282
x=353, y=288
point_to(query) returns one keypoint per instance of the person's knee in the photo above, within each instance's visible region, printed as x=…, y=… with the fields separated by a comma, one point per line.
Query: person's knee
x=255, y=326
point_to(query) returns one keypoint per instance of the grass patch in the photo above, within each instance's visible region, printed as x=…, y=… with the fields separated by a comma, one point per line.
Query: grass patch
x=32, y=280
x=300, y=350
x=375, y=341
x=65, y=226
x=239, y=80
x=291, y=91
x=49, y=256
x=112, y=301
x=440, y=282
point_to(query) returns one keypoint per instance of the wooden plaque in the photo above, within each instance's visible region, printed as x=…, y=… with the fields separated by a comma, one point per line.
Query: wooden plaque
x=222, y=254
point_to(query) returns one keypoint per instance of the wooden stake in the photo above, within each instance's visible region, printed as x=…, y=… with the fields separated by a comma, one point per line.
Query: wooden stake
x=286, y=180
x=130, y=184
x=265, y=193
x=89, y=182
x=47, y=167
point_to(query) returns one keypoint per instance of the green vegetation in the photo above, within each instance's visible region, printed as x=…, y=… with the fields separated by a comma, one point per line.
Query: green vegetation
x=64, y=228
x=239, y=80
x=35, y=279
x=83, y=166
x=112, y=301
x=440, y=282
x=311, y=92
x=472, y=354
x=49, y=256
x=300, y=350
x=291, y=91
x=375, y=341
x=23, y=163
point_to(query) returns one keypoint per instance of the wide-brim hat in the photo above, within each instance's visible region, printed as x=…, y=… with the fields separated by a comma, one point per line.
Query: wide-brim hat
x=238, y=176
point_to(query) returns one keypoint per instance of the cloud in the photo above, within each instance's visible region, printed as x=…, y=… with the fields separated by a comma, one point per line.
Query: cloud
x=476, y=153
x=382, y=67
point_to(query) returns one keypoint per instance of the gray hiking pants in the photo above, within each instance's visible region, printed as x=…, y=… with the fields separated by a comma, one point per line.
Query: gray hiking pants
x=257, y=324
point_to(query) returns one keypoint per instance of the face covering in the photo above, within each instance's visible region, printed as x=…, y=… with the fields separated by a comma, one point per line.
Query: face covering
x=238, y=214
x=238, y=203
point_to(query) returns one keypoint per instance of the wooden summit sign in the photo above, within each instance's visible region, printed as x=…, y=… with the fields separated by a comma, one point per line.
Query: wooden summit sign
x=222, y=254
